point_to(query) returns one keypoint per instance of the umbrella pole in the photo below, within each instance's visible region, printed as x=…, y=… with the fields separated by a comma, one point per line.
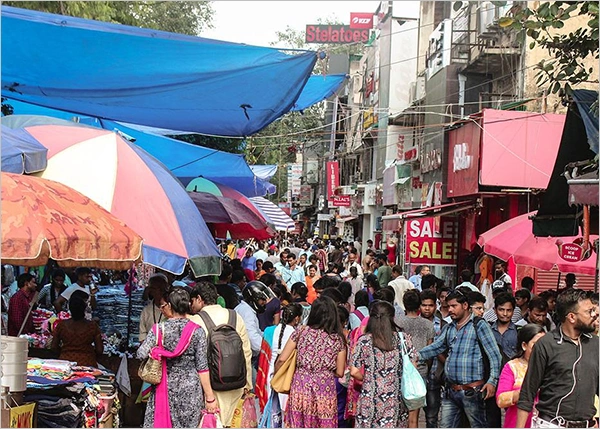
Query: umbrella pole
x=31, y=305
x=558, y=282
x=130, y=305
x=597, y=245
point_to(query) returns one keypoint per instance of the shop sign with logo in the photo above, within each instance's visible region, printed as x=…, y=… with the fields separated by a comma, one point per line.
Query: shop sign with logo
x=335, y=34
x=463, y=160
x=341, y=201
x=411, y=155
x=426, y=246
x=361, y=20
x=333, y=178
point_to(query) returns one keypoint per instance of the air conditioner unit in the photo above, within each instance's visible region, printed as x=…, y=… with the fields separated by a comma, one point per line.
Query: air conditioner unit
x=359, y=177
x=351, y=178
x=420, y=88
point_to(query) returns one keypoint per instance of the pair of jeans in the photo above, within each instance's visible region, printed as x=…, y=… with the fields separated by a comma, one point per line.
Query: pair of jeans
x=468, y=401
x=434, y=397
x=493, y=413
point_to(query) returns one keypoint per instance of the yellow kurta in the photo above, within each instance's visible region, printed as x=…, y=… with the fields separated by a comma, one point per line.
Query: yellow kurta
x=228, y=399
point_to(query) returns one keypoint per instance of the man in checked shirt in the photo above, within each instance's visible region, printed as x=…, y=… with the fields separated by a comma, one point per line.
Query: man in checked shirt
x=468, y=380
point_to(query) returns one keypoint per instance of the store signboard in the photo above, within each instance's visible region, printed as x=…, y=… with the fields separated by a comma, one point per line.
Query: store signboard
x=426, y=246
x=333, y=178
x=306, y=195
x=341, y=201
x=463, y=160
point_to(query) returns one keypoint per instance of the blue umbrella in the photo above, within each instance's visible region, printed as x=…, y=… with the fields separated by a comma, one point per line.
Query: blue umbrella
x=21, y=152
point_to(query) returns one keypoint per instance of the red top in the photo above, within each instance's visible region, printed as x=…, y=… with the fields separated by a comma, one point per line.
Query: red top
x=17, y=310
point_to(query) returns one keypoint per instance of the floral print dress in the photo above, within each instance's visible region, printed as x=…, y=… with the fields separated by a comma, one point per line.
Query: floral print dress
x=312, y=402
x=186, y=399
x=380, y=403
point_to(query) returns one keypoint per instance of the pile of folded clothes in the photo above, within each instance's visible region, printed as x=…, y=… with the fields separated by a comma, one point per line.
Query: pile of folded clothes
x=69, y=395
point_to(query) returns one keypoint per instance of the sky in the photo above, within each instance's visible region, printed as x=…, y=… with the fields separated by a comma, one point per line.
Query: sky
x=256, y=22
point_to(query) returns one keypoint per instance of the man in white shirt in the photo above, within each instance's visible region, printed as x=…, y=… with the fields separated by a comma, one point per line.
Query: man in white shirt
x=260, y=253
x=466, y=277
x=254, y=302
x=84, y=280
x=501, y=274
x=400, y=284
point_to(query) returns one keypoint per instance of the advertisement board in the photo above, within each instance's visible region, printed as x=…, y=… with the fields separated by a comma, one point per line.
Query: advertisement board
x=463, y=160
x=341, y=201
x=333, y=178
x=335, y=34
x=361, y=20
x=426, y=246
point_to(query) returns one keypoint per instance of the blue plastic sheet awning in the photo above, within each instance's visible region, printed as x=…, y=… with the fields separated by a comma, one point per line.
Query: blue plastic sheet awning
x=186, y=161
x=147, y=77
x=317, y=89
x=587, y=105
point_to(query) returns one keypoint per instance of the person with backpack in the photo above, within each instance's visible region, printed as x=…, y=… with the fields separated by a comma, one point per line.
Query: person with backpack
x=236, y=370
x=361, y=304
x=473, y=364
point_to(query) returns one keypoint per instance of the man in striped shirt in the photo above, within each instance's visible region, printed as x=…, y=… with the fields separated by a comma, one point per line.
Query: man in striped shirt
x=470, y=381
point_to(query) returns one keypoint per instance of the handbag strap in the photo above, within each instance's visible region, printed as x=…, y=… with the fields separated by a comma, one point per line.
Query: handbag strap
x=403, y=348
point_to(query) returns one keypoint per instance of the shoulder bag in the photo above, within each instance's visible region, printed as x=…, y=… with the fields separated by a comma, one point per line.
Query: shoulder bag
x=282, y=379
x=412, y=386
x=150, y=369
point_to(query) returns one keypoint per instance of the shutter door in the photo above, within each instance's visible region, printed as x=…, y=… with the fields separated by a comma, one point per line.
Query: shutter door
x=547, y=280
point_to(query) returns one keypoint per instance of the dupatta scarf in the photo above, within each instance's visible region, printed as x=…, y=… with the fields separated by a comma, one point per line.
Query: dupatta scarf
x=162, y=413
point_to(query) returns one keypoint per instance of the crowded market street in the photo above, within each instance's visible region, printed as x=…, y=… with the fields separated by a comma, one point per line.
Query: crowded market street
x=299, y=214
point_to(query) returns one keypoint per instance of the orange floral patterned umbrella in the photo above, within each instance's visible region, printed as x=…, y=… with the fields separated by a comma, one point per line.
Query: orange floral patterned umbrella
x=44, y=219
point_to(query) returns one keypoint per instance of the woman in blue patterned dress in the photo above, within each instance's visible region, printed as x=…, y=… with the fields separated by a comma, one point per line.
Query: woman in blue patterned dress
x=377, y=352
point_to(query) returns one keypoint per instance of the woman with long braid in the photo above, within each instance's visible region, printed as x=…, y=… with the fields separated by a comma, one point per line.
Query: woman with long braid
x=290, y=319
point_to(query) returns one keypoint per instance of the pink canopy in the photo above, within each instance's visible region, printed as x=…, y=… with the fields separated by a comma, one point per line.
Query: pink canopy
x=514, y=238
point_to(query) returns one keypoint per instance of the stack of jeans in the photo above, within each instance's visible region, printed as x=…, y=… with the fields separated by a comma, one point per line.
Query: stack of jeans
x=58, y=407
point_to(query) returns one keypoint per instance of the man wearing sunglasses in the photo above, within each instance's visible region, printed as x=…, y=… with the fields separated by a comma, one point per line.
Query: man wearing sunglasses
x=468, y=382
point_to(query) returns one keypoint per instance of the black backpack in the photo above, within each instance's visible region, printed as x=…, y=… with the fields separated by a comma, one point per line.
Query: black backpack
x=226, y=359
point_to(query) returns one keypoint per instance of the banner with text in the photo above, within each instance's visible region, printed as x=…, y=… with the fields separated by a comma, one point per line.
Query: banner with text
x=428, y=243
x=333, y=178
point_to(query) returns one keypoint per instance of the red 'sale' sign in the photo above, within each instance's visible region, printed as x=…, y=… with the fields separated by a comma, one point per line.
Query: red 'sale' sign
x=361, y=20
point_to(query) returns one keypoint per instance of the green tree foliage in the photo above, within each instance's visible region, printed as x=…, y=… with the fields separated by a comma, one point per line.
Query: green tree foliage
x=224, y=144
x=186, y=17
x=568, y=51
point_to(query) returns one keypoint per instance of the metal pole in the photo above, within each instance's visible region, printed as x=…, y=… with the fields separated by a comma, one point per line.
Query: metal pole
x=558, y=282
x=31, y=304
x=597, y=245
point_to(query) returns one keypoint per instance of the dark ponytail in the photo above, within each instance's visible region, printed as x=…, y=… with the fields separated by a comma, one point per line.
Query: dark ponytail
x=288, y=314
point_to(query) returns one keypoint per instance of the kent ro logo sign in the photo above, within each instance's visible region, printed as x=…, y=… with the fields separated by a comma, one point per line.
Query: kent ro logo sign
x=361, y=20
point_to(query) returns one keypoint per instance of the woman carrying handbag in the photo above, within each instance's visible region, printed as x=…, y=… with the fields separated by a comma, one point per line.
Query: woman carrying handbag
x=184, y=389
x=377, y=360
x=321, y=357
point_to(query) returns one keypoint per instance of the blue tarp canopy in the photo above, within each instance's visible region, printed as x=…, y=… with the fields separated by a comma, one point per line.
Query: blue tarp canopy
x=21, y=152
x=317, y=89
x=186, y=161
x=587, y=104
x=147, y=77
